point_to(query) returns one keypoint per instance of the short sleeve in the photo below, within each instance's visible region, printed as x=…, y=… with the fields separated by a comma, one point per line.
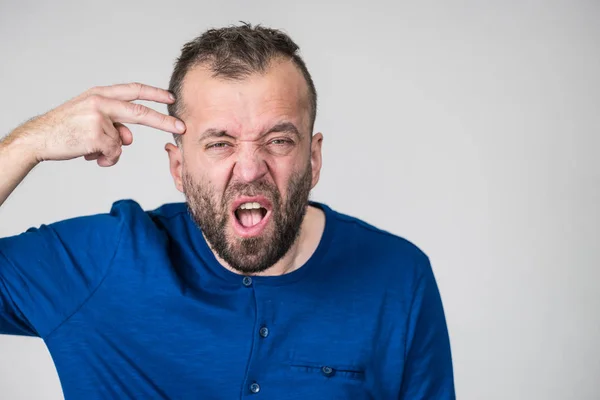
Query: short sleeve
x=428, y=372
x=47, y=273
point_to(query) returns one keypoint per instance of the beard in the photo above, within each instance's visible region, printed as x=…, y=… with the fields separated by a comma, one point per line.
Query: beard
x=254, y=254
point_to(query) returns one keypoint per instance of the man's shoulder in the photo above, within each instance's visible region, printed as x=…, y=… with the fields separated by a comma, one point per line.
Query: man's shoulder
x=123, y=215
x=372, y=235
x=167, y=218
x=169, y=210
x=132, y=207
x=380, y=248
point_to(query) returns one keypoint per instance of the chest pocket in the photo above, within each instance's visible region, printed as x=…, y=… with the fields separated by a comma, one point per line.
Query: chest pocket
x=329, y=370
x=328, y=375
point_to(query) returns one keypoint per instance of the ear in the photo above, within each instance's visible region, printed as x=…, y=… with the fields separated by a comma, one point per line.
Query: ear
x=316, y=157
x=175, y=164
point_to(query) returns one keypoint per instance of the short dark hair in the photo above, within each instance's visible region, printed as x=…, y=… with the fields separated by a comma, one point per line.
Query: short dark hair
x=235, y=52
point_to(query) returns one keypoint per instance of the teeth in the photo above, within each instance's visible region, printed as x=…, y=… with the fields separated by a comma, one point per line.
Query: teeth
x=249, y=206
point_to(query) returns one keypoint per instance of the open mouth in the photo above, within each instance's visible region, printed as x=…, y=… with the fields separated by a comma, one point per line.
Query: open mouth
x=250, y=214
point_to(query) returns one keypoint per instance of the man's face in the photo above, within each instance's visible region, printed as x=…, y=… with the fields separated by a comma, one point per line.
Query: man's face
x=248, y=162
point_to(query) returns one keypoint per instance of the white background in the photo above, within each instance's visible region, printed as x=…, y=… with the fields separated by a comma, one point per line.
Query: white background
x=470, y=128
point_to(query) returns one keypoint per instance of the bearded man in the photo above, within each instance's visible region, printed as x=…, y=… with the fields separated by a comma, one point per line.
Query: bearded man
x=248, y=288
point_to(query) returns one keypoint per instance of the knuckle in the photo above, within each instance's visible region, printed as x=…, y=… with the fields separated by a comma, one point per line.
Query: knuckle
x=108, y=154
x=138, y=110
x=114, y=157
x=94, y=90
x=115, y=144
x=111, y=153
x=137, y=86
x=164, y=120
x=94, y=100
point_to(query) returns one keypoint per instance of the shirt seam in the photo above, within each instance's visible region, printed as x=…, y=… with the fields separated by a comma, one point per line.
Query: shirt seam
x=93, y=291
x=364, y=225
x=12, y=301
x=411, y=310
x=160, y=215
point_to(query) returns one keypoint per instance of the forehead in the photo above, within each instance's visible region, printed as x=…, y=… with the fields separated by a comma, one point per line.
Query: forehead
x=247, y=104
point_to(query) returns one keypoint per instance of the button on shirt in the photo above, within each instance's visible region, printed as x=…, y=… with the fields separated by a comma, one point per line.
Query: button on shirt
x=264, y=331
x=255, y=388
x=133, y=304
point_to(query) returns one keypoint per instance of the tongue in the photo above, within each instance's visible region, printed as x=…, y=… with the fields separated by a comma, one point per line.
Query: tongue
x=249, y=218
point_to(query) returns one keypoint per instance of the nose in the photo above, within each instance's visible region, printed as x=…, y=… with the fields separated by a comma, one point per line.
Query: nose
x=250, y=165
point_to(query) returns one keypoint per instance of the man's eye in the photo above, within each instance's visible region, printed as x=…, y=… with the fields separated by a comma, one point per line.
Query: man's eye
x=281, y=142
x=220, y=145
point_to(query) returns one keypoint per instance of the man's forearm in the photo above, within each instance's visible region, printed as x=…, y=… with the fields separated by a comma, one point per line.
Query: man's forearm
x=16, y=161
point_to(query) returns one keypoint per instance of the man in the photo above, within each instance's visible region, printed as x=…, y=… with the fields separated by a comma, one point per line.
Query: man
x=246, y=290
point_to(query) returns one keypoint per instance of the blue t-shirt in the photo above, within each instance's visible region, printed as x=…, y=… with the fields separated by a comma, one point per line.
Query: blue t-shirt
x=133, y=304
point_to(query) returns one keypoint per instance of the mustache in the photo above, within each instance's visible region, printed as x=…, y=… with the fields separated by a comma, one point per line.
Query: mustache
x=261, y=188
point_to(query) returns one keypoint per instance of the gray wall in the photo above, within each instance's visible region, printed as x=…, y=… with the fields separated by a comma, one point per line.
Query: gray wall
x=471, y=129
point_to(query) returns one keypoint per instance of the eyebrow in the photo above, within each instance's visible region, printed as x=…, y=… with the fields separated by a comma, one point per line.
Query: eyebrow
x=214, y=133
x=285, y=127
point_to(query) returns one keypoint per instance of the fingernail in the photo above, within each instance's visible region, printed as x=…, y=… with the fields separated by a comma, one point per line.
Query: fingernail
x=171, y=96
x=180, y=126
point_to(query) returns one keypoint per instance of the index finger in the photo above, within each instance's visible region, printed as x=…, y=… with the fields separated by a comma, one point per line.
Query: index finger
x=134, y=91
x=126, y=112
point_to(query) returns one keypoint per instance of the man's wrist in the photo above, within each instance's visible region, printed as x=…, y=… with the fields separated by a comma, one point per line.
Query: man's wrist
x=18, y=148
